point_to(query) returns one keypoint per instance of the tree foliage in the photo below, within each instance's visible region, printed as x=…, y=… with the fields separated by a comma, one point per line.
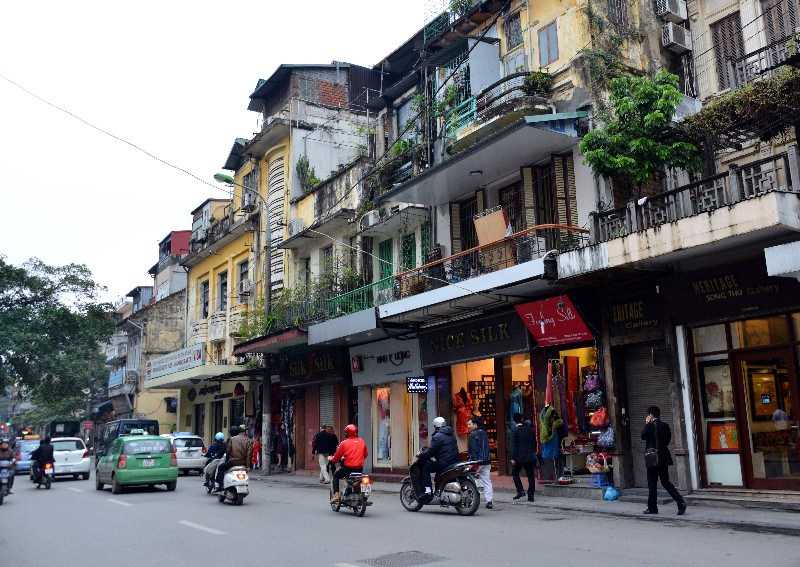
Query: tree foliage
x=51, y=325
x=639, y=138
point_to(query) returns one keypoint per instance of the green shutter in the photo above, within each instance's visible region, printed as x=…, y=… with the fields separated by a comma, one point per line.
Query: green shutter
x=425, y=241
x=386, y=261
x=409, y=251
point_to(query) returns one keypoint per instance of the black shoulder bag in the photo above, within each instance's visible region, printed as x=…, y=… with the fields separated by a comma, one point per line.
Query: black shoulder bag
x=651, y=459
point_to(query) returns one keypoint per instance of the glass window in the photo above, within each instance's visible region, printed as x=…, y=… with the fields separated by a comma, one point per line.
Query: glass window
x=148, y=446
x=383, y=426
x=68, y=445
x=709, y=339
x=188, y=442
x=760, y=332
x=204, y=299
x=548, y=44
x=222, y=288
x=244, y=271
x=513, y=29
x=385, y=259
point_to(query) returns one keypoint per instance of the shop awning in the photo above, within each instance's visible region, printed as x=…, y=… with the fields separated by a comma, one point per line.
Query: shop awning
x=191, y=376
x=272, y=343
x=554, y=321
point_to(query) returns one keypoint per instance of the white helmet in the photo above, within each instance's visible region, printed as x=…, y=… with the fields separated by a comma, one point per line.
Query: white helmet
x=439, y=422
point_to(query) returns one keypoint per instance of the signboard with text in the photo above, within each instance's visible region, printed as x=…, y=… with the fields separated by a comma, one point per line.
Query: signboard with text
x=177, y=361
x=417, y=384
x=391, y=360
x=554, y=321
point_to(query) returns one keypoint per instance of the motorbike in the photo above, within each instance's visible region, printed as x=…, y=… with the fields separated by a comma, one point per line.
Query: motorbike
x=456, y=486
x=235, y=486
x=6, y=473
x=356, y=493
x=41, y=476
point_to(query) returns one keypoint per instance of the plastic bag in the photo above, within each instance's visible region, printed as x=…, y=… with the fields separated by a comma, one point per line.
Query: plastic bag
x=611, y=493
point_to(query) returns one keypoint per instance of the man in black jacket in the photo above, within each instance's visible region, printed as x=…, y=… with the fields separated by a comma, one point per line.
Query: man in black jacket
x=523, y=456
x=657, y=435
x=323, y=446
x=42, y=456
x=442, y=454
x=478, y=448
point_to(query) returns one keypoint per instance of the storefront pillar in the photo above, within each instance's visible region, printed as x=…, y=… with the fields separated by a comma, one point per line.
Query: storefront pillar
x=503, y=432
x=613, y=408
x=365, y=421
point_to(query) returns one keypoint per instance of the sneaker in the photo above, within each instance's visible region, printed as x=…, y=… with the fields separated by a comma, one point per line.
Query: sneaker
x=681, y=508
x=489, y=506
x=530, y=498
x=650, y=512
x=520, y=495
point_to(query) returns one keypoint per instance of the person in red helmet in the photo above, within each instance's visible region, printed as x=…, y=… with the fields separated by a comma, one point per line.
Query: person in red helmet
x=353, y=452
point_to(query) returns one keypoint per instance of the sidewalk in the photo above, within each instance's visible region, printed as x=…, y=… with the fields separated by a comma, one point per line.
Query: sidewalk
x=754, y=520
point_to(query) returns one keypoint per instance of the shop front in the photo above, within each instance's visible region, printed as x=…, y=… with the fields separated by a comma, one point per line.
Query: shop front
x=740, y=334
x=393, y=398
x=315, y=391
x=216, y=405
x=481, y=367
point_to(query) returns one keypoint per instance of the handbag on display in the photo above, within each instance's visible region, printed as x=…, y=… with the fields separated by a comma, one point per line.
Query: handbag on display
x=597, y=463
x=591, y=383
x=599, y=418
x=607, y=438
x=594, y=400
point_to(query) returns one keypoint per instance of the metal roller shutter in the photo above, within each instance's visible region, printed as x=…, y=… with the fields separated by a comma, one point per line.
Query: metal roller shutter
x=648, y=384
x=327, y=403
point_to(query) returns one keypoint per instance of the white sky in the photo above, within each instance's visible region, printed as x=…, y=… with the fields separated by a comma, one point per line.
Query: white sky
x=172, y=76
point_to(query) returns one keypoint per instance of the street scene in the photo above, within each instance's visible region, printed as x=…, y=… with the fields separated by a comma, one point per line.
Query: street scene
x=457, y=282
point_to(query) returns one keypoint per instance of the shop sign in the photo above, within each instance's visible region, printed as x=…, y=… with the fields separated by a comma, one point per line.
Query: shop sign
x=554, y=321
x=315, y=365
x=733, y=291
x=390, y=360
x=417, y=384
x=116, y=377
x=177, y=361
x=635, y=316
x=475, y=339
x=210, y=389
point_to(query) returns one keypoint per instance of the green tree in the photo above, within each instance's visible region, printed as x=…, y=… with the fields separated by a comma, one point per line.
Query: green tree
x=639, y=139
x=51, y=325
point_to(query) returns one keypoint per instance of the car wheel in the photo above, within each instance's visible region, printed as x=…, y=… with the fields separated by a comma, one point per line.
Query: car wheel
x=97, y=484
x=171, y=486
x=85, y=476
x=76, y=477
x=116, y=487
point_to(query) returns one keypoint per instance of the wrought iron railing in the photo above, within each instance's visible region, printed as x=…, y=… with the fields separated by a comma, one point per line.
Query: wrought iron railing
x=762, y=62
x=777, y=173
x=370, y=295
x=231, y=219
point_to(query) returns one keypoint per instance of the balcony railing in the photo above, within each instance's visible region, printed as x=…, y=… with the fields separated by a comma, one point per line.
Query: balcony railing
x=231, y=219
x=762, y=62
x=778, y=173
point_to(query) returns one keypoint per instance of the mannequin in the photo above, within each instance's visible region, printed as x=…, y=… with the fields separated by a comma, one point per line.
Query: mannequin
x=462, y=408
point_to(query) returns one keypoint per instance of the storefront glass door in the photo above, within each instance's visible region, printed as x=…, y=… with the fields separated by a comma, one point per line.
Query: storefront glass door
x=771, y=418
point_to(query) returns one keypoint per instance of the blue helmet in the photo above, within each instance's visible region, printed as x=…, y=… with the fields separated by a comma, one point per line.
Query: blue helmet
x=219, y=436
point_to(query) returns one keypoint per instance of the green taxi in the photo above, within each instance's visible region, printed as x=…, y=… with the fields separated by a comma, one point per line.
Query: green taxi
x=137, y=460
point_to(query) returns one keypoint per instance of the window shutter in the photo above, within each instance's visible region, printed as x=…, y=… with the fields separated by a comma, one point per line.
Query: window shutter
x=566, y=202
x=528, y=197
x=455, y=228
x=480, y=201
x=728, y=45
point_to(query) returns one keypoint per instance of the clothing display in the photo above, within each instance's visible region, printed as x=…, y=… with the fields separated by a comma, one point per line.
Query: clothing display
x=384, y=450
x=549, y=424
x=462, y=407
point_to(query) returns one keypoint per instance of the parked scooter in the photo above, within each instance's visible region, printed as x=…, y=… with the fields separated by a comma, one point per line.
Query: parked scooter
x=355, y=495
x=6, y=472
x=455, y=486
x=42, y=475
x=235, y=486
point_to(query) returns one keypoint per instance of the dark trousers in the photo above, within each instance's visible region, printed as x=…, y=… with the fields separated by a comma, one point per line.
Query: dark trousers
x=653, y=476
x=342, y=472
x=515, y=470
x=430, y=467
x=225, y=467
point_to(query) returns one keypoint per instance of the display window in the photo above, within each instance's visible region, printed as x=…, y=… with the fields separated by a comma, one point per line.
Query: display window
x=473, y=393
x=394, y=422
x=383, y=426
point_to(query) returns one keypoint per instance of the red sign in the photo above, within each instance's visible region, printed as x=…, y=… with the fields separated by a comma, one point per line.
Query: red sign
x=88, y=425
x=554, y=321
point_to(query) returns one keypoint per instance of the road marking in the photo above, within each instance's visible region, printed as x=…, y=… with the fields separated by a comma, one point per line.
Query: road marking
x=212, y=531
x=120, y=502
x=73, y=489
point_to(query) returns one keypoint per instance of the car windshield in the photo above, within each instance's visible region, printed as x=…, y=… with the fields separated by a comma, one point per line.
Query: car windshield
x=68, y=445
x=147, y=446
x=27, y=447
x=188, y=442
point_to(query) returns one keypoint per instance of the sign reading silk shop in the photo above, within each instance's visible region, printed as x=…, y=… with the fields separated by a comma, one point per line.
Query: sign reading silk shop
x=474, y=339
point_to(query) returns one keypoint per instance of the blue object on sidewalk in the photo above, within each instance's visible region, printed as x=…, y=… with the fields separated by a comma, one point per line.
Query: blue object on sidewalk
x=611, y=493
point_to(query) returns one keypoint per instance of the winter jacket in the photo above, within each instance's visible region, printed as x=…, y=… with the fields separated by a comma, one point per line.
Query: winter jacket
x=215, y=450
x=478, y=446
x=354, y=451
x=664, y=438
x=523, y=443
x=239, y=450
x=324, y=443
x=43, y=454
x=443, y=447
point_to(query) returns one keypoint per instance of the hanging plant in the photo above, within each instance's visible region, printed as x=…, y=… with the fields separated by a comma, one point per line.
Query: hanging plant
x=538, y=83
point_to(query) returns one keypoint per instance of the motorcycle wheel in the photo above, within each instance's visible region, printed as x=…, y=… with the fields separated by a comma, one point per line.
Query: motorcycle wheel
x=361, y=508
x=2, y=495
x=209, y=486
x=408, y=498
x=239, y=499
x=47, y=483
x=470, y=499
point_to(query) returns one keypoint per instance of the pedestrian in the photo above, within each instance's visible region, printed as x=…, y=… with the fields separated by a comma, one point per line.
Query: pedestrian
x=257, y=453
x=323, y=446
x=478, y=447
x=523, y=455
x=657, y=436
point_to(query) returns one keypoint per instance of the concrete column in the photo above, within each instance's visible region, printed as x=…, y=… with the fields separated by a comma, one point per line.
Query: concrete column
x=794, y=166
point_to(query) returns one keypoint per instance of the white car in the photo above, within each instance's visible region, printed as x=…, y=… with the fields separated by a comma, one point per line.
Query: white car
x=71, y=456
x=190, y=451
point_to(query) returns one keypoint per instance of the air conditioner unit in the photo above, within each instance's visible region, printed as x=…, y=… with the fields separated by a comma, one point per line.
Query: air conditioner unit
x=676, y=38
x=249, y=201
x=671, y=10
x=370, y=219
x=244, y=290
x=296, y=226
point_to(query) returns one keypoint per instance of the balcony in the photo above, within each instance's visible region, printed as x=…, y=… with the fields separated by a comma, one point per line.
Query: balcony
x=763, y=62
x=231, y=225
x=198, y=332
x=749, y=203
x=453, y=24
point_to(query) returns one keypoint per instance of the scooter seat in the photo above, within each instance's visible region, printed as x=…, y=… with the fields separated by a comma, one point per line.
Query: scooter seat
x=355, y=476
x=237, y=468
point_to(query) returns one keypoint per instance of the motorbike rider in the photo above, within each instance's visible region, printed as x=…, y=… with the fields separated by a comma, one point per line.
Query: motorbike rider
x=215, y=451
x=7, y=454
x=353, y=450
x=442, y=454
x=238, y=450
x=43, y=455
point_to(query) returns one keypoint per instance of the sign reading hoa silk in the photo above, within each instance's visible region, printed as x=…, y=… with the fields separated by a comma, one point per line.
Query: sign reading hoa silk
x=554, y=321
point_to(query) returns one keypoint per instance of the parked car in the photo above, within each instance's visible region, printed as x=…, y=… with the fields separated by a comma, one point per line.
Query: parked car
x=23, y=454
x=114, y=429
x=190, y=451
x=137, y=460
x=72, y=457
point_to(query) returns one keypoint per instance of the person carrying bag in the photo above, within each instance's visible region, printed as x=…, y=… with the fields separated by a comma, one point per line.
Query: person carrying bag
x=657, y=458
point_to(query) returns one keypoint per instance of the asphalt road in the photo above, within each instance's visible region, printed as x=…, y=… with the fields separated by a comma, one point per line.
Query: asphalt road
x=74, y=525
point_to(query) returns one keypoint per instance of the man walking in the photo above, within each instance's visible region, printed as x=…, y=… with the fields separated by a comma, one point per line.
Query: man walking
x=657, y=435
x=478, y=447
x=523, y=455
x=323, y=446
